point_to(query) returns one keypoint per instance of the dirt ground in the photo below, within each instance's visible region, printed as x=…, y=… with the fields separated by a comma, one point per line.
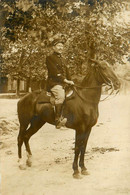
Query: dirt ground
x=107, y=157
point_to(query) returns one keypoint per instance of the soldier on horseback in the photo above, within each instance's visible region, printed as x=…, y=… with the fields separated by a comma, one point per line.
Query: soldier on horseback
x=58, y=76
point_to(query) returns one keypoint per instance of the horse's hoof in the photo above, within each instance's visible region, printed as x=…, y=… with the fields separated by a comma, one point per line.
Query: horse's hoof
x=28, y=163
x=21, y=164
x=77, y=176
x=22, y=167
x=84, y=172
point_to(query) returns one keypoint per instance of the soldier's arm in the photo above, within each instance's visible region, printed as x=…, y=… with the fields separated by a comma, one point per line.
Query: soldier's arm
x=68, y=78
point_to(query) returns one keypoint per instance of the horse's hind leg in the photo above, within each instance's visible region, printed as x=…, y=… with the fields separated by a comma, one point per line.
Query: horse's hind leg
x=20, y=140
x=36, y=124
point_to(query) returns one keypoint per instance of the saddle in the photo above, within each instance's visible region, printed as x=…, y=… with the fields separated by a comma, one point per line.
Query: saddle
x=48, y=97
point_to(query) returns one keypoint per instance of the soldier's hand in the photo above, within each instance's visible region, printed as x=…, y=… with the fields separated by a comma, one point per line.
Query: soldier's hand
x=69, y=82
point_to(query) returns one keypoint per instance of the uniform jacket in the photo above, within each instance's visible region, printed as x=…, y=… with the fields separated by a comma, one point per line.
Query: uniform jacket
x=57, y=71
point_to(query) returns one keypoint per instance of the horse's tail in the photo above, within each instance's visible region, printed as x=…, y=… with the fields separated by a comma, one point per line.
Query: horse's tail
x=26, y=108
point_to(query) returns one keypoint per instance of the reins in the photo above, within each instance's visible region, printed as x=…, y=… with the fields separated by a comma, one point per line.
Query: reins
x=106, y=98
x=76, y=86
x=88, y=87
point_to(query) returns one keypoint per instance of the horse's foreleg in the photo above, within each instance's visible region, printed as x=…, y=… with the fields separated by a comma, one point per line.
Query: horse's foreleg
x=85, y=137
x=35, y=126
x=75, y=164
x=76, y=156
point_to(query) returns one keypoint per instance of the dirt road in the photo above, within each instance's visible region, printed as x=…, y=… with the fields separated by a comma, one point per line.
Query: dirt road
x=107, y=157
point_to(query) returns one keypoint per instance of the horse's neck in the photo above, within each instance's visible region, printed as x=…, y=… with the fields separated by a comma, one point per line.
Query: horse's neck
x=90, y=79
x=93, y=88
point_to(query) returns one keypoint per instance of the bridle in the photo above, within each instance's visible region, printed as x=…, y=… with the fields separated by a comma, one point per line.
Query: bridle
x=107, y=82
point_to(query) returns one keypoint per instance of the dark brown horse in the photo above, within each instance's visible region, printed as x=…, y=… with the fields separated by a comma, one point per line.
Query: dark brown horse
x=81, y=112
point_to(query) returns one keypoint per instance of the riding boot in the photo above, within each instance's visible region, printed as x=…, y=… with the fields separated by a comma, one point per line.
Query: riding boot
x=59, y=120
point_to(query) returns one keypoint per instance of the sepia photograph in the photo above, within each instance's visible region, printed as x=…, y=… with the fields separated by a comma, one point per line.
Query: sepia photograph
x=64, y=97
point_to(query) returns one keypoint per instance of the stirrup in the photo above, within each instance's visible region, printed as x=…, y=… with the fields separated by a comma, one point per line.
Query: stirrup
x=61, y=123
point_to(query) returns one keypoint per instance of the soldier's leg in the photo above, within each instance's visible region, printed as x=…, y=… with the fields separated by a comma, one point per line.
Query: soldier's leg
x=59, y=94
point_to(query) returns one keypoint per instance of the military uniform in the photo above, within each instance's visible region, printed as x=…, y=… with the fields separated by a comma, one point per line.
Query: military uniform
x=57, y=71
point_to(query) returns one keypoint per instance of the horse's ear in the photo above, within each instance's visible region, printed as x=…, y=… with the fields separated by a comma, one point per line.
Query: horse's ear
x=94, y=63
x=91, y=60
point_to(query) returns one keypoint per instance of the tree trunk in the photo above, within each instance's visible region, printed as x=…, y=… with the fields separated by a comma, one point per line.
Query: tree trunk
x=92, y=52
x=18, y=87
x=28, y=88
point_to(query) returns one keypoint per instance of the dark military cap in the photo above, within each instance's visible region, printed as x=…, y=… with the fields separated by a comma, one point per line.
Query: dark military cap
x=56, y=41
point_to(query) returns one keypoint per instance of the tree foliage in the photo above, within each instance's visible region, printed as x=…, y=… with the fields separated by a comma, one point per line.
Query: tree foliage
x=91, y=29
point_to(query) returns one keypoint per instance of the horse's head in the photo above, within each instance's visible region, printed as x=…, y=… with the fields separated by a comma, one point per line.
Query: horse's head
x=105, y=74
